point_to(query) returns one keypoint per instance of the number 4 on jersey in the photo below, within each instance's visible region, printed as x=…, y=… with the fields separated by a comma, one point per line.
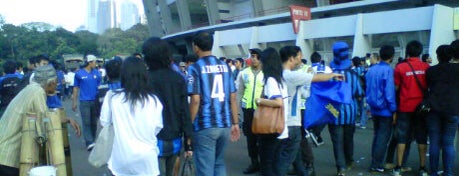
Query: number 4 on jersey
x=217, y=88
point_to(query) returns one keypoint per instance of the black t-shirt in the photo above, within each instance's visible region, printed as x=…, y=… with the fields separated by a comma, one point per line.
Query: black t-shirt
x=443, y=82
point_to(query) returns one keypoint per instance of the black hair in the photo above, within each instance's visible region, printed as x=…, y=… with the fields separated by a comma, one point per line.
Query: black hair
x=19, y=65
x=272, y=65
x=356, y=61
x=455, y=49
x=191, y=58
x=304, y=61
x=135, y=82
x=113, y=67
x=386, y=52
x=414, y=48
x=424, y=57
x=203, y=40
x=400, y=60
x=33, y=60
x=240, y=60
x=42, y=57
x=368, y=55
x=223, y=59
x=9, y=67
x=289, y=51
x=315, y=57
x=157, y=53
x=228, y=61
x=444, y=53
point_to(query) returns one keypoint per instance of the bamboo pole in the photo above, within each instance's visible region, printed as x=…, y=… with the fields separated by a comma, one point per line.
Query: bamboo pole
x=29, y=156
x=68, y=156
x=56, y=144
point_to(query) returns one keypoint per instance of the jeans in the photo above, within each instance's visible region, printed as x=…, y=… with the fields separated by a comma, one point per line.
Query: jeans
x=89, y=120
x=362, y=112
x=288, y=151
x=269, y=154
x=252, y=139
x=382, y=134
x=166, y=165
x=442, y=131
x=209, y=151
x=342, y=137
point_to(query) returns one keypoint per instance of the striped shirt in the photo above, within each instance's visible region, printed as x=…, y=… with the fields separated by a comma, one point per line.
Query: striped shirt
x=31, y=99
x=348, y=112
x=213, y=81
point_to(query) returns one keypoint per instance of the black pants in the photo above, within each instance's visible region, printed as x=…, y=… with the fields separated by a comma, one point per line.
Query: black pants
x=8, y=171
x=252, y=139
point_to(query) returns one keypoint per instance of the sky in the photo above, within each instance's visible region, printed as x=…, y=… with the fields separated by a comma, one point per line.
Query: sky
x=70, y=14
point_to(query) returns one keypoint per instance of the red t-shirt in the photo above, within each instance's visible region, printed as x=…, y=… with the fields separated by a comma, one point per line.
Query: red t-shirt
x=410, y=93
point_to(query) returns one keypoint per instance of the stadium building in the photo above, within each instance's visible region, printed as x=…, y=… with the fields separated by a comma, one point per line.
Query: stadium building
x=365, y=25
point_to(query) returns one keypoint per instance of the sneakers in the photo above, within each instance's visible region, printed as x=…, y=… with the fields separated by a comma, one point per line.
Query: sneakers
x=423, y=172
x=376, y=170
x=341, y=172
x=389, y=166
x=406, y=169
x=253, y=168
x=396, y=172
x=90, y=147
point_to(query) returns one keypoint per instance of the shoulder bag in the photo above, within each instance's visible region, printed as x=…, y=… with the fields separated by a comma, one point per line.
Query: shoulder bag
x=425, y=106
x=268, y=120
x=102, y=150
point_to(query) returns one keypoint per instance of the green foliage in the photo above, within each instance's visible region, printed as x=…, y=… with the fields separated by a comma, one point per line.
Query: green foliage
x=31, y=39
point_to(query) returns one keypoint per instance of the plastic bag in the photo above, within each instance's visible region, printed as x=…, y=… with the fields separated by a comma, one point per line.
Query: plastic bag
x=102, y=150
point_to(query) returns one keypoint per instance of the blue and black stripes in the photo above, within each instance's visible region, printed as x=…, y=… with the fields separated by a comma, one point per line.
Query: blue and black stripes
x=212, y=80
x=348, y=112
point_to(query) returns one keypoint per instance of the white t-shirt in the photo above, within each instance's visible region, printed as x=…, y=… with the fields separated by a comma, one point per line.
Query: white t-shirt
x=70, y=78
x=272, y=91
x=135, y=150
x=295, y=80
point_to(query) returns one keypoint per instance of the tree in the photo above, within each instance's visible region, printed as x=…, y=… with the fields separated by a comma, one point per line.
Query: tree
x=88, y=42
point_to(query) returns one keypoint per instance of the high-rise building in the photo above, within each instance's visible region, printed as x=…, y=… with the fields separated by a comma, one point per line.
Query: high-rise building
x=106, y=15
x=129, y=15
x=91, y=21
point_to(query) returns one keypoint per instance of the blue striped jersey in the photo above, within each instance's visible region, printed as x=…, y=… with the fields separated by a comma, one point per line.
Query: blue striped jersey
x=348, y=112
x=212, y=80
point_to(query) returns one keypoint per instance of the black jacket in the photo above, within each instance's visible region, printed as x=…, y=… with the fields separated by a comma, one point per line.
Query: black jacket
x=443, y=82
x=170, y=87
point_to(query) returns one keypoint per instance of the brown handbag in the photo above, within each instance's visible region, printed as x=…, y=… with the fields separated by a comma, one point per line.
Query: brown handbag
x=268, y=120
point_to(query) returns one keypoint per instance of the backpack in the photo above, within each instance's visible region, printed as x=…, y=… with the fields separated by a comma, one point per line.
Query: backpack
x=9, y=88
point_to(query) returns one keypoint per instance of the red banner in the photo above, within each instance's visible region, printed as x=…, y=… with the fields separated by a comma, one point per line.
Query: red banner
x=299, y=13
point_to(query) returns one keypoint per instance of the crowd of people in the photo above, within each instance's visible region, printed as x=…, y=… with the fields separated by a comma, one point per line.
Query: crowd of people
x=159, y=108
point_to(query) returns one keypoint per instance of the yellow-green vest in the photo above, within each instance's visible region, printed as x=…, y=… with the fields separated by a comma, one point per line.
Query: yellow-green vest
x=253, y=87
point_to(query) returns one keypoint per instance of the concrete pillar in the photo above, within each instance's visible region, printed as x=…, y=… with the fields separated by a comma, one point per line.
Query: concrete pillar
x=216, y=49
x=154, y=23
x=212, y=12
x=442, y=31
x=165, y=15
x=254, y=39
x=306, y=45
x=322, y=3
x=184, y=14
x=257, y=8
x=361, y=43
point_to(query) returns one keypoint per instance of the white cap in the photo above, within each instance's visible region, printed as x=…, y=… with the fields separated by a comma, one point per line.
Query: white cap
x=90, y=58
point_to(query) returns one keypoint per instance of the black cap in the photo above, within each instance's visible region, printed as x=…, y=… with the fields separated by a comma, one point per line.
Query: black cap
x=255, y=51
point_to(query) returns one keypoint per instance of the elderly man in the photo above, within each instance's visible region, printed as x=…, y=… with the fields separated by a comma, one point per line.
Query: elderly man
x=31, y=99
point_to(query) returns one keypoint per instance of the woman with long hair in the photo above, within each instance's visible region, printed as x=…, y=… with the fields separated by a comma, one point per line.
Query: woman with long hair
x=136, y=115
x=275, y=95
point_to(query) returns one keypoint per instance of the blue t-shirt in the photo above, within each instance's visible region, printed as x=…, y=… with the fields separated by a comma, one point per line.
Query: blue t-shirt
x=60, y=78
x=53, y=101
x=88, y=83
x=212, y=80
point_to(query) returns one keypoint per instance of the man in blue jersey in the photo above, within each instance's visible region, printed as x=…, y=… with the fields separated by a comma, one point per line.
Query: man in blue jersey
x=86, y=82
x=213, y=107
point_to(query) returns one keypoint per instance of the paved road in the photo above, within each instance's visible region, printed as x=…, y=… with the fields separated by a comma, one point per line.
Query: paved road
x=237, y=160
